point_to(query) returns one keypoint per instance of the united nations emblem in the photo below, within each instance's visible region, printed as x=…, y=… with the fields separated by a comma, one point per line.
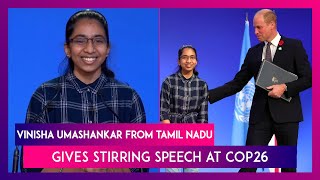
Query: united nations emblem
x=244, y=102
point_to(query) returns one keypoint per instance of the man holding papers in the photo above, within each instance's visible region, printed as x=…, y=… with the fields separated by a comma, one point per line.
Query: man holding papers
x=269, y=113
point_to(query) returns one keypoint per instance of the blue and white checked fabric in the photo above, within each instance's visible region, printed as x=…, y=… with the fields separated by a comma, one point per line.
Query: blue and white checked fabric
x=68, y=100
x=184, y=100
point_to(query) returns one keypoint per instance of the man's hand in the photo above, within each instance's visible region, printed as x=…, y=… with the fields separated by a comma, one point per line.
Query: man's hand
x=277, y=90
x=166, y=121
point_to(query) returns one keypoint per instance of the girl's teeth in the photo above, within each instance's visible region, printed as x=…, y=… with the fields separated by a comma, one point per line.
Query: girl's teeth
x=89, y=59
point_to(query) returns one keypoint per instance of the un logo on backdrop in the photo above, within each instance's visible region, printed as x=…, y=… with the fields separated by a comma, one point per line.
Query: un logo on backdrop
x=244, y=102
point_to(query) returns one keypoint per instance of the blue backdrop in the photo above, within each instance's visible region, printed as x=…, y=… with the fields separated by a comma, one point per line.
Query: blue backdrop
x=36, y=39
x=217, y=35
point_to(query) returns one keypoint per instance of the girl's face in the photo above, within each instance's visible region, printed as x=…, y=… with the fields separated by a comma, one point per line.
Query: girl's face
x=188, y=60
x=88, y=48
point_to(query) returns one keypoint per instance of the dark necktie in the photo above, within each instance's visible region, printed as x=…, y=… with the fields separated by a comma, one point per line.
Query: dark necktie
x=268, y=53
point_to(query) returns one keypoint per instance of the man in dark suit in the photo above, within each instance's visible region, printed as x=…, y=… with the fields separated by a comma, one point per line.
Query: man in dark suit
x=269, y=114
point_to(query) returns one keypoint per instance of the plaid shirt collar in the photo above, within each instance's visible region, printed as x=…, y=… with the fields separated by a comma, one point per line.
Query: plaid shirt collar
x=81, y=87
x=184, y=80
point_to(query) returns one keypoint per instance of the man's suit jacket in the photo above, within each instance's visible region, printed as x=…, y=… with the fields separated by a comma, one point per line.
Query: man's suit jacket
x=291, y=57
